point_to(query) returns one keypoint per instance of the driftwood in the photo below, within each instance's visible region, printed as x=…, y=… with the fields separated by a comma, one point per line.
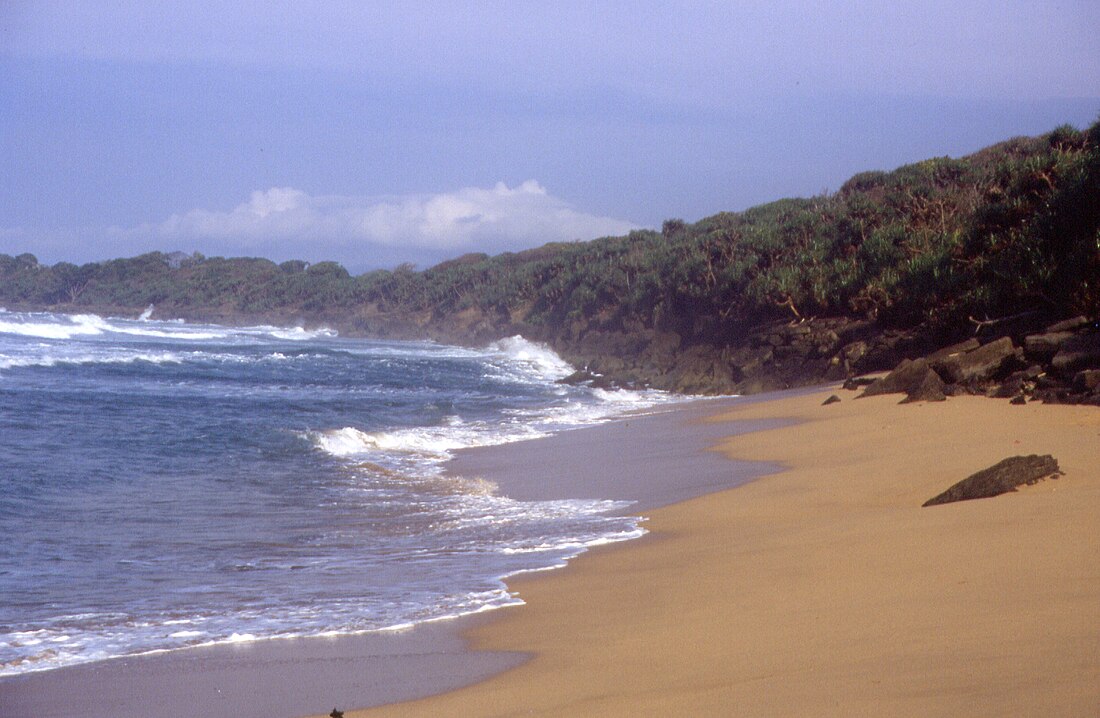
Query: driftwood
x=980, y=324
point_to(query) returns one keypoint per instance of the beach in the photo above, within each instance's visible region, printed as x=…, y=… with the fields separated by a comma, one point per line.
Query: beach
x=631, y=459
x=826, y=589
x=789, y=569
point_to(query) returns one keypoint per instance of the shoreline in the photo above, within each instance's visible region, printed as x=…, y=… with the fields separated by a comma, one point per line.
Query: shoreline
x=267, y=678
x=826, y=589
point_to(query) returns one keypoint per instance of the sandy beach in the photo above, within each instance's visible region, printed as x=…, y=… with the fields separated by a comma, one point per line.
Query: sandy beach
x=826, y=589
x=820, y=589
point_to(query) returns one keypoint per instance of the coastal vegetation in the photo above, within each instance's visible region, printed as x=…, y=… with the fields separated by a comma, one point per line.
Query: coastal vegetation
x=891, y=264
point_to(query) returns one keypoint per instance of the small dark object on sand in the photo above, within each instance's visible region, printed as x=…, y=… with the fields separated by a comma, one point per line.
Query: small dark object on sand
x=831, y=400
x=1002, y=477
x=336, y=714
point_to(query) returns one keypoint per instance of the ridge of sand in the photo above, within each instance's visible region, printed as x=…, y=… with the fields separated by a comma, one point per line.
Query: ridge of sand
x=827, y=590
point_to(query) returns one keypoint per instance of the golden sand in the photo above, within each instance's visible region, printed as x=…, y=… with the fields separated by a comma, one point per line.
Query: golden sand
x=826, y=590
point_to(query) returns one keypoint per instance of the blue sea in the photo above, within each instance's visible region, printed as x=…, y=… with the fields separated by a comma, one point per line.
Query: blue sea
x=166, y=484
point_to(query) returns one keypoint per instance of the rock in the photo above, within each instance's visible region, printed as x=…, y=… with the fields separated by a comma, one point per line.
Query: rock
x=930, y=389
x=955, y=390
x=1018, y=382
x=831, y=400
x=1043, y=347
x=836, y=370
x=1000, y=478
x=1046, y=381
x=826, y=342
x=578, y=377
x=1051, y=396
x=1032, y=373
x=1018, y=400
x=981, y=364
x=1081, y=351
x=858, y=381
x=854, y=352
x=1069, y=325
x=961, y=348
x=906, y=376
x=1087, y=381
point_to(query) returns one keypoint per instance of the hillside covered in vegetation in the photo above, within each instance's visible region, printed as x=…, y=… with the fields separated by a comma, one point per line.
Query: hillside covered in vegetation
x=787, y=293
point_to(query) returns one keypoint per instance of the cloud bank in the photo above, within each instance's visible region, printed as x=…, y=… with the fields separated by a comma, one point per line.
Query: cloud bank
x=284, y=222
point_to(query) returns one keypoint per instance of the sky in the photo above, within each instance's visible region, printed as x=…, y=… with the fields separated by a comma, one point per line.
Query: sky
x=376, y=133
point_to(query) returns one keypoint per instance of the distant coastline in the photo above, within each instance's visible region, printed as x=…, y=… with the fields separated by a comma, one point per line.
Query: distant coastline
x=894, y=265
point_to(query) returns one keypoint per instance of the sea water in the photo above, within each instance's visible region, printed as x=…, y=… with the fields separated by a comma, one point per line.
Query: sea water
x=166, y=484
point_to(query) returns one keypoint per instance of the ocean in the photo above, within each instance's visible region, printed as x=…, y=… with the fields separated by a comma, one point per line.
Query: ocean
x=166, y=484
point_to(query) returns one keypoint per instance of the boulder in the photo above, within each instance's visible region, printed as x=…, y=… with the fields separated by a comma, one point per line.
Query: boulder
x=836, y=370
x=1043, y=347
x=1001, y=478
x=831, y=400
x=906, y=376
x=930, y=389
x=978, y=365
x=1081, y=351
x=854, y=352
x=961, y=348
x=1019, y=382
x=1087, y=381
x=1069, y=325
x=856, y=382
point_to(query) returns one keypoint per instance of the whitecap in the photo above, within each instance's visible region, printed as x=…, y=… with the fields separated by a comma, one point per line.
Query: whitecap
x=532, y=358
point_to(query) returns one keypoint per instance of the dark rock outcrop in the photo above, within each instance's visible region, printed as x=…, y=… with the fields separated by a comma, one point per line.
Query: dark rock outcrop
x=931, y=388
x=1070, y=325
x=1060, y=364
x=1043, y=347
x=1077, y=352
x=1002, y=477
x=905, y=377
x=1087, y=381
x=978, y=364
x=833, y=399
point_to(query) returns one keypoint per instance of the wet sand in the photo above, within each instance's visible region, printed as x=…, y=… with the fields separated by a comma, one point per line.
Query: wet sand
x=653, y=459
x=826, y=590
x=284, y=677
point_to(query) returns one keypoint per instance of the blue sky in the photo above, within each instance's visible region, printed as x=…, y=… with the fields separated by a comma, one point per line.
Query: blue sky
x=377, y=133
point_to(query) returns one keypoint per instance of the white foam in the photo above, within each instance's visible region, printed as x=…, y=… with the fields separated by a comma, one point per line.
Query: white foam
x=127, y=358
x=299, y=334
x=533, y=357
x=77, y=325
x=46, y=325
x=434, y=443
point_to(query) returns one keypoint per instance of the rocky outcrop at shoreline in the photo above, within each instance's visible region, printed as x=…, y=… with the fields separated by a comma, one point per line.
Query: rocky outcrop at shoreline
x=1031, y=360
x=1058, y=365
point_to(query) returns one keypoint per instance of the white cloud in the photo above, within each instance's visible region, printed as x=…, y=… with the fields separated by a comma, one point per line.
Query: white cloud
x=284, y=221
